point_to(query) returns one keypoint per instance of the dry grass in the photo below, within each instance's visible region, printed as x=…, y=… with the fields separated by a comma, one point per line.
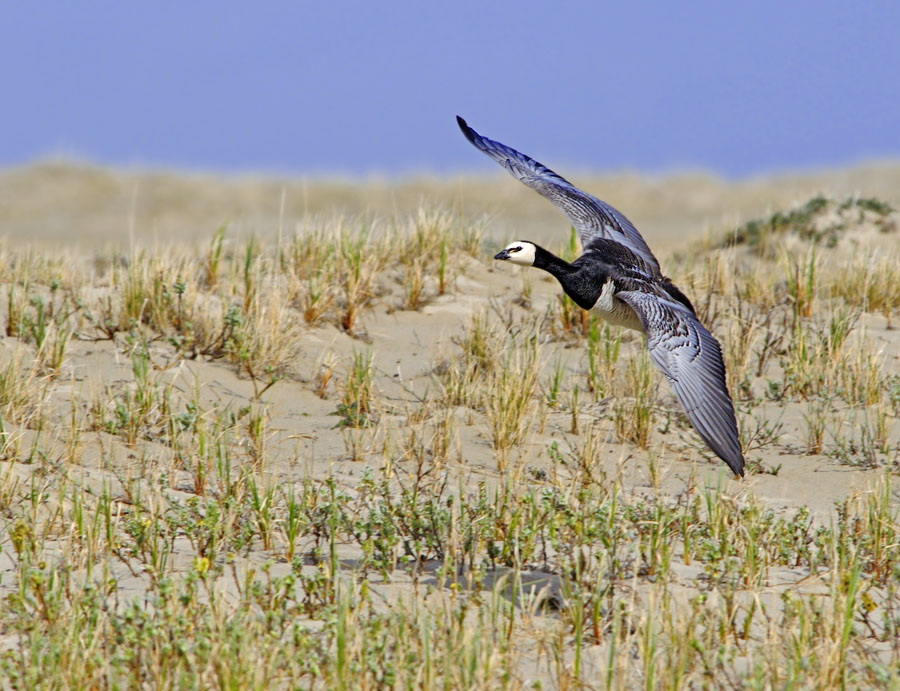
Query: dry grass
x=356, y=458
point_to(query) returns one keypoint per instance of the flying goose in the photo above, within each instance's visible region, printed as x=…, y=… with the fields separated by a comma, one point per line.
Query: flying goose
x=618, y=278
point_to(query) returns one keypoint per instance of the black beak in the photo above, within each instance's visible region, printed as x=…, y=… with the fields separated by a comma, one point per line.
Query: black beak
x=502, y=254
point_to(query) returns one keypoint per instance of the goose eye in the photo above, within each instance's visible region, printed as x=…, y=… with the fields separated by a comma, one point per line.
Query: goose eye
x=514, y=249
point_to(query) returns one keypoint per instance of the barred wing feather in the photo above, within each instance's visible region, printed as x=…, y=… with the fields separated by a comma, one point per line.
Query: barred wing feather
x=690, y=357
x=590, y=216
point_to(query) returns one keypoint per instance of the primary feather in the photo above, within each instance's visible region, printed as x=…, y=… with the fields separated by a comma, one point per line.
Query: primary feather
x=691, y=360
x=591, y=217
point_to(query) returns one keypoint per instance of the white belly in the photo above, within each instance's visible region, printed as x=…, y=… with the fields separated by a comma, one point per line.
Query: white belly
x=615, y=311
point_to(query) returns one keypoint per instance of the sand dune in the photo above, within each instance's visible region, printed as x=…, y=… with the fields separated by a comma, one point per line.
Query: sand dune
x=64, y=203
x=354, y=451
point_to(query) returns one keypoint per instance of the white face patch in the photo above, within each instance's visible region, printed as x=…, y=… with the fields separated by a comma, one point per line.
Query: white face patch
x=521, y=252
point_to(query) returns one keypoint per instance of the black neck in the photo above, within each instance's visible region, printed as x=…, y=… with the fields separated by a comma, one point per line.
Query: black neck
x=577, y=286
x=549, y=262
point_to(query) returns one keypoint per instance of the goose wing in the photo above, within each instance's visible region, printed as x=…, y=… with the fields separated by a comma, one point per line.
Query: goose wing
x=590, y=216
x=690, y=357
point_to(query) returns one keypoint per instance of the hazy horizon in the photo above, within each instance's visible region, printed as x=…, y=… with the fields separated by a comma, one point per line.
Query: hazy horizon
x=411, y=176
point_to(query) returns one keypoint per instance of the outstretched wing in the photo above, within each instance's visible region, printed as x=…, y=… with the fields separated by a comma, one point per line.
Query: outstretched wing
x=691, y=359
x=590, y=216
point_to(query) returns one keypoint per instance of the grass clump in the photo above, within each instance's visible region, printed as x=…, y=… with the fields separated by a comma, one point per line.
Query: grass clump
x=819, y=220
x=509, y=397
x=633, y=409
x=869, y=282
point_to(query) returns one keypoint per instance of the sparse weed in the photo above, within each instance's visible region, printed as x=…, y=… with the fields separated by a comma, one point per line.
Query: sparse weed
x=436, y=560
x=603, y=344
x=355, y=408
x=554, y=382
x=356, y=267
x=509, y=391
x=324, y=372
x=870, y=282
x=263, y=343
x=802, y=282
x=214, y=257
x=633, y=409
x=414, y=285
x=815, y=417
x=21, y=389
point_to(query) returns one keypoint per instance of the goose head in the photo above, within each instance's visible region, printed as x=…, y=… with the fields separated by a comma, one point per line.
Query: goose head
x=519, y=252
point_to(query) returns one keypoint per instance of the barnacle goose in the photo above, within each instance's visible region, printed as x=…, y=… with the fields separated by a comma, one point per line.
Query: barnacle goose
x=618, y=278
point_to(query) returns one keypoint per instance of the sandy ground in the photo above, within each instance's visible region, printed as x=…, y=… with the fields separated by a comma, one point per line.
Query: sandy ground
x=85, y=209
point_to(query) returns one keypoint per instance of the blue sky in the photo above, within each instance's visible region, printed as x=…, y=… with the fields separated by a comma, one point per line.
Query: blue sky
x=360, y=88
